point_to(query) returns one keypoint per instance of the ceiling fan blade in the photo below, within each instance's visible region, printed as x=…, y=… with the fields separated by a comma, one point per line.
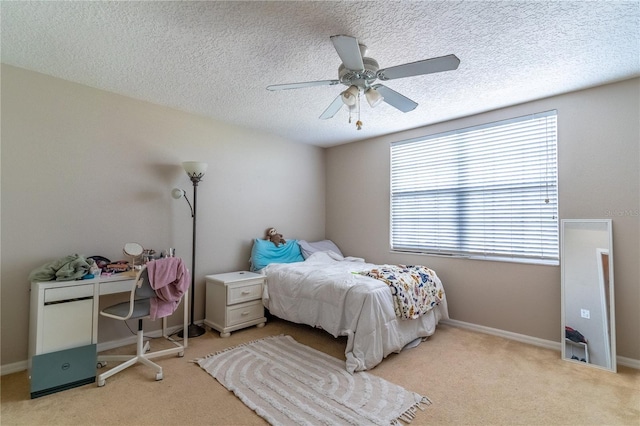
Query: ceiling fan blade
x=395, y=99
x=287, y=86
x=427, y=66
x=349, y=51
x=333, y=108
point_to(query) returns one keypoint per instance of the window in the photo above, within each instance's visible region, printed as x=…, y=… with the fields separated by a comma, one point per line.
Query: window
x=489, y=191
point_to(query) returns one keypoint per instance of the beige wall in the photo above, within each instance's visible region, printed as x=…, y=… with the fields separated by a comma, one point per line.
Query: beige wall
x=599, y=162
x=85, y=171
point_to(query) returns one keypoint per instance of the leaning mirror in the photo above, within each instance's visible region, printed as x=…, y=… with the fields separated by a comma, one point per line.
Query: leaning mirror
x=588, y=316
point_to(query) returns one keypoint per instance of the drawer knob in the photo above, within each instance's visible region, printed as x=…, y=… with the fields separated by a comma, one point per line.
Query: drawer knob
x=245, y=313
x=245, y=292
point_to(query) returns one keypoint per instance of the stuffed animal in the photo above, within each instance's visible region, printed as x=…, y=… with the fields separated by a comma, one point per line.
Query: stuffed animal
x=274, y=237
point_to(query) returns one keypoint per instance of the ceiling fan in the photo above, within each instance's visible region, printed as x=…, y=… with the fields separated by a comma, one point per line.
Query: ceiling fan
x=359, y=73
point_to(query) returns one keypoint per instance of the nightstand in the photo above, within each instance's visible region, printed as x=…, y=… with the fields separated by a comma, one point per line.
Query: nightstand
x=234, y=301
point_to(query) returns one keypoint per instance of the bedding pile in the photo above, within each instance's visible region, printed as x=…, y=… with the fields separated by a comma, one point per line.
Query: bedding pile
x=415, y=289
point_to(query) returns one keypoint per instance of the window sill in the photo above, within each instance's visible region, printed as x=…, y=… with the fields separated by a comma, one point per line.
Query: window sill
x=544, y=262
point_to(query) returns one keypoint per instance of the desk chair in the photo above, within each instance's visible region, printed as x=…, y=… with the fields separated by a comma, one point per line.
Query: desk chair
x=138, y=307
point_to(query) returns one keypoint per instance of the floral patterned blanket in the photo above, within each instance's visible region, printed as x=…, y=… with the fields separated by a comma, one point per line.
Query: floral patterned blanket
x=415, y=289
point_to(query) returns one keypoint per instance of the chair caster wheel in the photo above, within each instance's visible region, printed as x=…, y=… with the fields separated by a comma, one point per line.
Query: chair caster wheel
x=101, y=364
x=101, y=383
x=159, y=376
x=180, y=354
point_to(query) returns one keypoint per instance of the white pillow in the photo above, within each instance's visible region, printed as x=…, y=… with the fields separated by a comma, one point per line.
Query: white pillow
x=308, y=248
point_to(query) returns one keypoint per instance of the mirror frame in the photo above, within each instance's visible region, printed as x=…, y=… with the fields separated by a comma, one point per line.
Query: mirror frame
x=133, y=249
x=609, y=307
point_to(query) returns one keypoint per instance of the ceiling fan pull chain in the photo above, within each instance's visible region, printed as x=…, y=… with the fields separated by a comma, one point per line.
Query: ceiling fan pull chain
x=359, y=123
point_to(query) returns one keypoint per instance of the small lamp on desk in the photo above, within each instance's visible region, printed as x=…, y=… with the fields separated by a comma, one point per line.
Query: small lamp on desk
x=195, y=170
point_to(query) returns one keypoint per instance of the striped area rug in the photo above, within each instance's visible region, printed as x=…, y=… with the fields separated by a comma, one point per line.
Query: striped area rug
x=287, y=383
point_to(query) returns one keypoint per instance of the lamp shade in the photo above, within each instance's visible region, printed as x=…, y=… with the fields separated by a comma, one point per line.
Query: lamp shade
x=373, y=97
x=195, y=168
x=350, y=95
x=177, y=193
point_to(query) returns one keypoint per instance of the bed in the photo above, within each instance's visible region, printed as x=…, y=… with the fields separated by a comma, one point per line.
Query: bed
x=314, y=284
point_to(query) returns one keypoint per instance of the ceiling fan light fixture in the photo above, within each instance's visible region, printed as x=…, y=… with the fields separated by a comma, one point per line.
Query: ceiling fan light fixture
x=373, y=97
x=350, y=95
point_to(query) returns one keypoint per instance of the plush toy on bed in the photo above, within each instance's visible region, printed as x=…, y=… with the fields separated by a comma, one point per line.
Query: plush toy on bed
x=274, y=237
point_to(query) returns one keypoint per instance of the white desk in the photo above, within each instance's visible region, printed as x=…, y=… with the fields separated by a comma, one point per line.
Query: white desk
x=64, y=314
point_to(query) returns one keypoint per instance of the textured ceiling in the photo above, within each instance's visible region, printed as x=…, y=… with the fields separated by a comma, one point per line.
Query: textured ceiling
x=216, y=58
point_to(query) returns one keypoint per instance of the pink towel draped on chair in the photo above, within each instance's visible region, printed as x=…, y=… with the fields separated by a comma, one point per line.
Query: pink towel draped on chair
x=169, y=277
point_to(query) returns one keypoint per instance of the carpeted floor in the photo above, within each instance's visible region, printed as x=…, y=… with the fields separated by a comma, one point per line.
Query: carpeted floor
x=472, y=379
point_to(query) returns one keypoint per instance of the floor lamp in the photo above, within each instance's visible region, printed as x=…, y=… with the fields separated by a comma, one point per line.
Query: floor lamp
x=195, y=170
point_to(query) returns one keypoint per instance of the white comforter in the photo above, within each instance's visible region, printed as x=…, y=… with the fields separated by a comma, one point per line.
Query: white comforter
x=324, y=292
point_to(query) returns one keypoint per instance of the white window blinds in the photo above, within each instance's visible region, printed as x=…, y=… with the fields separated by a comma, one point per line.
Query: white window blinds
x=488, y=191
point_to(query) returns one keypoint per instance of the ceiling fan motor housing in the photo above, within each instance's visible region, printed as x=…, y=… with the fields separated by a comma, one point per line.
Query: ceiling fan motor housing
x=362, y=79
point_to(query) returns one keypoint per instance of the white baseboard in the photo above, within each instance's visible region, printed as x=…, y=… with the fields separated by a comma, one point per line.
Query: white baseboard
x=13, y=368
x=628, y=362
x=548, y=344
x=104, y=346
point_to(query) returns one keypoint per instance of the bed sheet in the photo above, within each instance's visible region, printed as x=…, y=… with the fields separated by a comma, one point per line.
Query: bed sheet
x=325, y=291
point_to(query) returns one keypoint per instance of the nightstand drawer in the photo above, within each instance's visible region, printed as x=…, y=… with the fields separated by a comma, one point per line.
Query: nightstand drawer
x=238, y=314
x=244, y=293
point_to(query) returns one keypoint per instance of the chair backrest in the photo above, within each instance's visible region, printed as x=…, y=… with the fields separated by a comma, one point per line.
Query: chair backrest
x=145, y=291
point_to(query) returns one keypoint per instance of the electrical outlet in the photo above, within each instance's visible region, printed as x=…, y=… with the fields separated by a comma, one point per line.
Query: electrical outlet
x=584, y=313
